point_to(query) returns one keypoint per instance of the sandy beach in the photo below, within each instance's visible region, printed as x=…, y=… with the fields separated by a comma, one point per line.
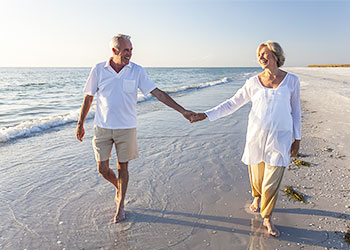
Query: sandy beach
x=188, y=189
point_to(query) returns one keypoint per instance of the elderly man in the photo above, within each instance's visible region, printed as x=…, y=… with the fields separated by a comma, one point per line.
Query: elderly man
x=115, y=84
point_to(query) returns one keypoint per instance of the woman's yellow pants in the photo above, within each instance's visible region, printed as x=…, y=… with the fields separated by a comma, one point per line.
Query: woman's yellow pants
x=265, y=181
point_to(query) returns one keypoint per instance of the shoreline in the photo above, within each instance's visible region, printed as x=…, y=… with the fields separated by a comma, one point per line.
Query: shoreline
x=189, y=188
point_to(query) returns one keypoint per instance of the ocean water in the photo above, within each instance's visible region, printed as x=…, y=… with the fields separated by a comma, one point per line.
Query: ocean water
x=34, y=100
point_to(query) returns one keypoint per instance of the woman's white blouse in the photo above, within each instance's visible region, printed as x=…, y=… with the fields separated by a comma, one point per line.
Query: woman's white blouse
x=274, y=119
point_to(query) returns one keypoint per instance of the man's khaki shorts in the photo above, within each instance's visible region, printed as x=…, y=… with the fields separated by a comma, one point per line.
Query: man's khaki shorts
x=124, y=140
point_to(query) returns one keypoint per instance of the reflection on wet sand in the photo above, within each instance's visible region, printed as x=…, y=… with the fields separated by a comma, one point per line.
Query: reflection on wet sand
x=258, y=234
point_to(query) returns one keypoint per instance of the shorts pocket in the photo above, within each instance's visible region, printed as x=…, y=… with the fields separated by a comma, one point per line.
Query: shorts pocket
x=96, y=131
x=129, y=86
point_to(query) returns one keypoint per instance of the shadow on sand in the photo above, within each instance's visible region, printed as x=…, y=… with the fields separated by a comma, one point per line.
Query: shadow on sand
x=257, y=231
x=315, y=212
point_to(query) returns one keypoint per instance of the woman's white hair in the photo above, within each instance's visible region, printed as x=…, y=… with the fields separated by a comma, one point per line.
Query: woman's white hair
x=276, y=49
x=114, y=43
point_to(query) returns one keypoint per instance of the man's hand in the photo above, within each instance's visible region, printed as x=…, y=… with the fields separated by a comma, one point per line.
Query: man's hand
x=188, y=114
x=295, y=148
x=80, y=132
x=198, y=117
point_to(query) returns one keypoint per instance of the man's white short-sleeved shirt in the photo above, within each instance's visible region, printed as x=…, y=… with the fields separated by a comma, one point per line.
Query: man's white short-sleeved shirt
x=116, y=94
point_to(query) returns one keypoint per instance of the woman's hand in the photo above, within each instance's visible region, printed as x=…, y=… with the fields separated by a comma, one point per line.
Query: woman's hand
x=295, y=148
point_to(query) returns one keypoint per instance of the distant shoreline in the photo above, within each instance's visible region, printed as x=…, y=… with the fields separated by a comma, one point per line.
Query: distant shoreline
x=330, y=65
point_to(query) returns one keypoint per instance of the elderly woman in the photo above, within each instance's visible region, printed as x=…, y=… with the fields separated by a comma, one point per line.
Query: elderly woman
x=274, y=127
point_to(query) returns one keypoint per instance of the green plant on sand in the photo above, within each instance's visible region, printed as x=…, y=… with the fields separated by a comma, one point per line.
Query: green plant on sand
x=288, y=190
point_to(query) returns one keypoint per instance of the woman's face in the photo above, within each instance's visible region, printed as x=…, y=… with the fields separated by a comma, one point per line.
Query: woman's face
x=266, y=58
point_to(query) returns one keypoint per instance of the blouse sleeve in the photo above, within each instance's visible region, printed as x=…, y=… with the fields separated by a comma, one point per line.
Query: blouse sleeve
x=231, y=105
x=296, y=110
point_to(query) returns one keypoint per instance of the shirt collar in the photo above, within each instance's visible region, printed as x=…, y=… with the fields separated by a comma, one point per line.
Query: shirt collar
x=108, y=63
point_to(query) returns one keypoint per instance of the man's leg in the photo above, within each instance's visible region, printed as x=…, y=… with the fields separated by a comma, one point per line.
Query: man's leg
x=126, y=149
x=102, y=144
x=123, y=180
x=107, y=173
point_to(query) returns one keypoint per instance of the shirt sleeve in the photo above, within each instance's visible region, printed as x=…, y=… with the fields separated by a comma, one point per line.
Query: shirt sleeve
x=231, y=105
x=91, y=84
x=146, y=85
x=296, y=110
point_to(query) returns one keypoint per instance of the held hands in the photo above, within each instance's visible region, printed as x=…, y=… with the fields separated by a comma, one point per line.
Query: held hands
x=198, y=117
x=194, y=117
x=188, y=114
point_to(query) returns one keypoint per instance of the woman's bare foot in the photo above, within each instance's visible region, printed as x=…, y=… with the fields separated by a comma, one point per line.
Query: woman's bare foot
x=271, y=229
x=254, y=207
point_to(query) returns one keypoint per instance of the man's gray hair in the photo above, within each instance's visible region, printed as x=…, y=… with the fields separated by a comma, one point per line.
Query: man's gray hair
x=115, y=40
x=276, y=49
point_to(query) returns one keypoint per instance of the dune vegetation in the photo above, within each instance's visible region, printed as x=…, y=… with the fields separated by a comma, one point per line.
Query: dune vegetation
x=330, y=65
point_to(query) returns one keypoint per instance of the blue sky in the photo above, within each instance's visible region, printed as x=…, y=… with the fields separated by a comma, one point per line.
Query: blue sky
x=169, y=33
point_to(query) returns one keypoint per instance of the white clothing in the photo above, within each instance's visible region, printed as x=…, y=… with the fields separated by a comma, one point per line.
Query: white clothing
x=274, y=119
x=116, y=94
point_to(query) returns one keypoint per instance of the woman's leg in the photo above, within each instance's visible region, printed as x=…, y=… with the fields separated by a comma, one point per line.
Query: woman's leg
x=256, y=175
x=272, y=180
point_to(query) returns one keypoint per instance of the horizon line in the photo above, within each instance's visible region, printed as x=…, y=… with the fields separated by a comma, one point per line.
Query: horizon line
x=147, y=66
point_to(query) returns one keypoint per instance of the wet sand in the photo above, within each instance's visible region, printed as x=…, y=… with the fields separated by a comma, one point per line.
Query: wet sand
x=188, y=189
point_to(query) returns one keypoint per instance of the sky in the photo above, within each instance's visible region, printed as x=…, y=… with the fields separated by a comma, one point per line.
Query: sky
x=172, y=33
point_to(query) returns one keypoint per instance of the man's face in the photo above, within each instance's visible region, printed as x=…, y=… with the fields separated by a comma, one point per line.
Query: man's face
x=125, y=52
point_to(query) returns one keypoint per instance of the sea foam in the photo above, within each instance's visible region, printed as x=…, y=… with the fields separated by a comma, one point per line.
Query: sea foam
x=31, y=127
x=188, y=88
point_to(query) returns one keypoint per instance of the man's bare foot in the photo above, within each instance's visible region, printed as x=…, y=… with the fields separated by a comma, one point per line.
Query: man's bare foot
x=254, y=207
x=271, y=229
x=119, y=215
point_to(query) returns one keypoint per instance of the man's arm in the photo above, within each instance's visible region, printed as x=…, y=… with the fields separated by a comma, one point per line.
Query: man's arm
x=85, y=107
x=167, y=100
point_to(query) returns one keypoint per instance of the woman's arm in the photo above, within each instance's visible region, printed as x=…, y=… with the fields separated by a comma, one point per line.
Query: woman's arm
x=295, y=148
x=231, y=105
x=296, y=116
x=296, y=111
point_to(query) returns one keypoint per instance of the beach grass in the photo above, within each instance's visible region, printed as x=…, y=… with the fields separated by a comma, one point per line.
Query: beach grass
x=329, y=65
